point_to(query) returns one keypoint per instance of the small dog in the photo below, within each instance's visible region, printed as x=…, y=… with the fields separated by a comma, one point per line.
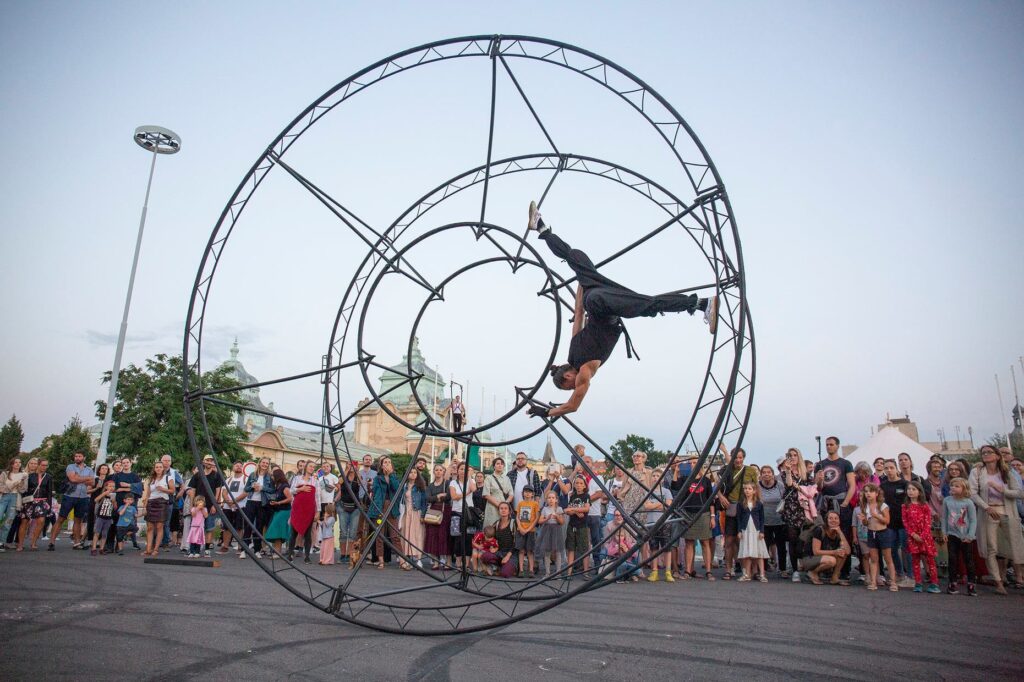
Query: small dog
x=355, y=551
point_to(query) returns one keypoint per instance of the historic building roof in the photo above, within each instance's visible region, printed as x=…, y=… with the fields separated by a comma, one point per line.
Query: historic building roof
x=250, y=422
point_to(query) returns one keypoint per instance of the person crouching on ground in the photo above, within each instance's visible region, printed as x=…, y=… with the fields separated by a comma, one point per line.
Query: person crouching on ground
x=829, y=549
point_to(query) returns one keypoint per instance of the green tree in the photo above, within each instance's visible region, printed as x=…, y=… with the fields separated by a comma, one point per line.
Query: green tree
x=60, y=448
x=149, y=415
x=998, y=440
x=11, y=438
x=624, y=448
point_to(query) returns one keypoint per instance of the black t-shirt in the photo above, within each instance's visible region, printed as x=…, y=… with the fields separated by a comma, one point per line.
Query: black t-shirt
x=596, y=341
x=45, y=487
x=578, y=500
x=216, y=481
x=895, y=493
x=697, y=494
x=835, y=476
x=132, y=479
x=828, y=543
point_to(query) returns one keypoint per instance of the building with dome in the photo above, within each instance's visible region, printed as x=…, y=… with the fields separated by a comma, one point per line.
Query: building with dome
x=247, y=421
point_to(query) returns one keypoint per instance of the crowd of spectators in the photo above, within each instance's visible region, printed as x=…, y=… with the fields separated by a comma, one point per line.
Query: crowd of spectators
x=880, y=524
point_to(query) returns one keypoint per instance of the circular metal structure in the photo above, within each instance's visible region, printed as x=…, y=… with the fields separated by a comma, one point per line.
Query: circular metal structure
x=160, y=140
x=453, y=600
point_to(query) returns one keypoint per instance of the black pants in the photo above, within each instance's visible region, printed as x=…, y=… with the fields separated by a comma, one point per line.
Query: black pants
x=259, y=515
x=958, y=549
x=776, y=535
x=307, y=540
x=795, y=549
x=603, y=297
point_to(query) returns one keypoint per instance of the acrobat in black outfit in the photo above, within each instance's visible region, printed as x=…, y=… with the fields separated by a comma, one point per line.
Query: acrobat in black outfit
x=604, y=302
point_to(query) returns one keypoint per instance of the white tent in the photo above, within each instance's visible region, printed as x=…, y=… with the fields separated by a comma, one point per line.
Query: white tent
x=889, y=442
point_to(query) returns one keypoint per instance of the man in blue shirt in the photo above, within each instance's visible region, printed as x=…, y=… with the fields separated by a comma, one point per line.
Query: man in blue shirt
x=75, y=498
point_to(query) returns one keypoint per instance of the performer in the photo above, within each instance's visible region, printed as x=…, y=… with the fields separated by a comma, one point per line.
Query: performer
x=458, y=412
x=604, y=302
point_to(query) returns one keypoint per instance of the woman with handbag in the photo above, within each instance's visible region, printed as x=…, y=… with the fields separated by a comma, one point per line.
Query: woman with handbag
x=497, y=489
x=348, y=511
x=410, y=526
x=437, y=518
x=13, y=482
x=157, y=493
x=280, y=502
x=463, y=511
x=35, y=506
x=384, y=508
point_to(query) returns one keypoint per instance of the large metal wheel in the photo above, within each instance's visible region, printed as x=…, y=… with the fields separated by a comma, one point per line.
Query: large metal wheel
x=694, y=203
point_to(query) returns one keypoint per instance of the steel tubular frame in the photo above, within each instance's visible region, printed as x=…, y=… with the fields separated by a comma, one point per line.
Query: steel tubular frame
x=475, y=603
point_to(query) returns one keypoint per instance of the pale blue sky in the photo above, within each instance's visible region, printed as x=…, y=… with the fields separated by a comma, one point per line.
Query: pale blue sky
x=872, y=153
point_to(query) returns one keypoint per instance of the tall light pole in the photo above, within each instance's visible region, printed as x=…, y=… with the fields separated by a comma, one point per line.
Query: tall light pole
x=158, y=141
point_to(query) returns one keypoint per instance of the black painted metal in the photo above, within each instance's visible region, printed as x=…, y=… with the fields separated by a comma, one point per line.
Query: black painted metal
x=474, y=603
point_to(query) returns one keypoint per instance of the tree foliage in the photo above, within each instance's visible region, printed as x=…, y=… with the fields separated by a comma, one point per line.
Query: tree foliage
x=149, y=415
x=11, y=438
x=60, y=449
x=998, y=440
x=624, y=448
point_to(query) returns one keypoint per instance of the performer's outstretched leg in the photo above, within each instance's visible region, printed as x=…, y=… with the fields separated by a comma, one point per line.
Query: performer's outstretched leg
x=607, y=301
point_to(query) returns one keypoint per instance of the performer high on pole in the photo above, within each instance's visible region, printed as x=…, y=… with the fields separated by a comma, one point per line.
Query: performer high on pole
x=604, y=302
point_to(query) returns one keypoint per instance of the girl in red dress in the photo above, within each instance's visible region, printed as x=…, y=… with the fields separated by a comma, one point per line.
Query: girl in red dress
x=917, y=520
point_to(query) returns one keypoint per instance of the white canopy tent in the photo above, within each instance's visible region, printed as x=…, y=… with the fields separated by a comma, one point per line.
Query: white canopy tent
x=889, y=442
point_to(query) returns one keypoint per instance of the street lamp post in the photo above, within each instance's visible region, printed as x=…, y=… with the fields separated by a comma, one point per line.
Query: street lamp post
x=158, y=141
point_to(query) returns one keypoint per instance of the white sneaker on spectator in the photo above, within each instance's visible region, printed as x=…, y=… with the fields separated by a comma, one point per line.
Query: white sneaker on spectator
x=907, y=582
x=207, y=553
x=796, y=576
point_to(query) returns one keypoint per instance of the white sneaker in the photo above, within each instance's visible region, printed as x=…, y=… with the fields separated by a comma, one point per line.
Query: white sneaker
x=711, y=314
x=241, y=555
x=207, y=553
x=796, y=576
x=535, y=221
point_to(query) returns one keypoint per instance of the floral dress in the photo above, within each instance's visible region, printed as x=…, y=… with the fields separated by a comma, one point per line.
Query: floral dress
x=917, y=518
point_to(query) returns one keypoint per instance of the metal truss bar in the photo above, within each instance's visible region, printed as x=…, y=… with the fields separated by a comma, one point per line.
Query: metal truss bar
x=328, y=201
x=268, y=413
x=526, y=99
x=490, y=133
x=271, y=382
x=340, y=426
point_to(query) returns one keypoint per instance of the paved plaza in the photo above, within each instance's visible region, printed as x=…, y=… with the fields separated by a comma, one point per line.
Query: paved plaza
x=67, y=615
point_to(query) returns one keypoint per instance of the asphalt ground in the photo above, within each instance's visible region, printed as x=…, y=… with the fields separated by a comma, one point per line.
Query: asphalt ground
x=66, y=615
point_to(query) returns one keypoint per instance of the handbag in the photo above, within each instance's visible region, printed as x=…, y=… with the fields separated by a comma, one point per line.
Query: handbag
x=433, y=517
x=474, y=518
